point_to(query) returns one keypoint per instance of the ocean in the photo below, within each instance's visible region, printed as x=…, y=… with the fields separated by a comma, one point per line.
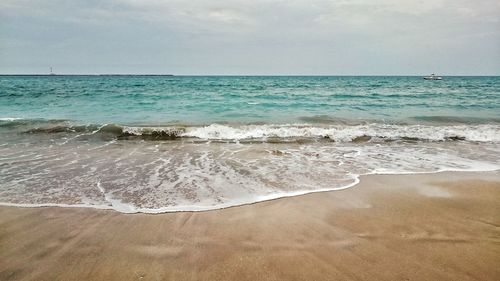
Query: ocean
x=157, y=144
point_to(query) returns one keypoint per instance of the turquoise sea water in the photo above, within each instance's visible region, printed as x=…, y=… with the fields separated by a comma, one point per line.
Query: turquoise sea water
x=206, y=100
x=167, y=143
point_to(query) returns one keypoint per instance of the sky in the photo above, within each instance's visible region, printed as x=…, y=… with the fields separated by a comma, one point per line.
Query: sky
x=259, y=37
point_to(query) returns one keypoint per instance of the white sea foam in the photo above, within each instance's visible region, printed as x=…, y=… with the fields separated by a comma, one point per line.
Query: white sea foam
x=10, y=119
x=116, y=204
x=479, y=133
x=155, y=177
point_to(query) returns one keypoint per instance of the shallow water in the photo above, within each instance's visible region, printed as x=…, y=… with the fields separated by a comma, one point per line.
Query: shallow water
x=158, y=144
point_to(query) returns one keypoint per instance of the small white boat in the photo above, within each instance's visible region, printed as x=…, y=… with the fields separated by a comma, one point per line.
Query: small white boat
x=433, y=77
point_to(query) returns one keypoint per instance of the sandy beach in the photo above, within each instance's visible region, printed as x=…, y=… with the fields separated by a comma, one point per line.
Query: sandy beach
x=443, y=226
x=249, y=140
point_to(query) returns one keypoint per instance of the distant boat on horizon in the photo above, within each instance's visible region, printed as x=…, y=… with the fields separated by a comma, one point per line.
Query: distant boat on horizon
x=433, y=77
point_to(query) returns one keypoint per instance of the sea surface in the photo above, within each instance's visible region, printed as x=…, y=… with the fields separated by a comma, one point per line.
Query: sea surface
x=189, y=143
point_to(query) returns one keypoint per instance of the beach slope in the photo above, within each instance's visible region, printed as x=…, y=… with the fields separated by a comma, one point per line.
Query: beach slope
x=443, y=226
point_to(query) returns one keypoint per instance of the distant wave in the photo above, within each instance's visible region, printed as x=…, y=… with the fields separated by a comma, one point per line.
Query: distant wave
x=10, y=119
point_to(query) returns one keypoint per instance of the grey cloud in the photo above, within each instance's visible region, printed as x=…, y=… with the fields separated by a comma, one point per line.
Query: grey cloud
x=251, y=37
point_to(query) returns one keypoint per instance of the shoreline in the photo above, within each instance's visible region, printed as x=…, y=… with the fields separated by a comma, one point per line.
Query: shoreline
x=165, y=210
x=441, y=226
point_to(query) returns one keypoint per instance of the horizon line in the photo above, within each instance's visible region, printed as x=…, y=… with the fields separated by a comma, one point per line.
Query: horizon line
x=248, y=75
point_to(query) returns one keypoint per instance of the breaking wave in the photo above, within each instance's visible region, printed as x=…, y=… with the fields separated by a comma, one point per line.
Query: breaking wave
x=205, y=167
x=370, y=132
x=373, y=132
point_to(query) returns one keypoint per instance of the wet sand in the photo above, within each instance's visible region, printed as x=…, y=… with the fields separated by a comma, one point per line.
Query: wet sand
x=443, y=226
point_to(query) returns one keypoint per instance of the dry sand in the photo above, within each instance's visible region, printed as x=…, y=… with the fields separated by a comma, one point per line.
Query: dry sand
x=443, y=226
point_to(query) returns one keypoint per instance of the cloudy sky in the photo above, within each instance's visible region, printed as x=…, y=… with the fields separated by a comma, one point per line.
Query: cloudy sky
x=324, y=37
